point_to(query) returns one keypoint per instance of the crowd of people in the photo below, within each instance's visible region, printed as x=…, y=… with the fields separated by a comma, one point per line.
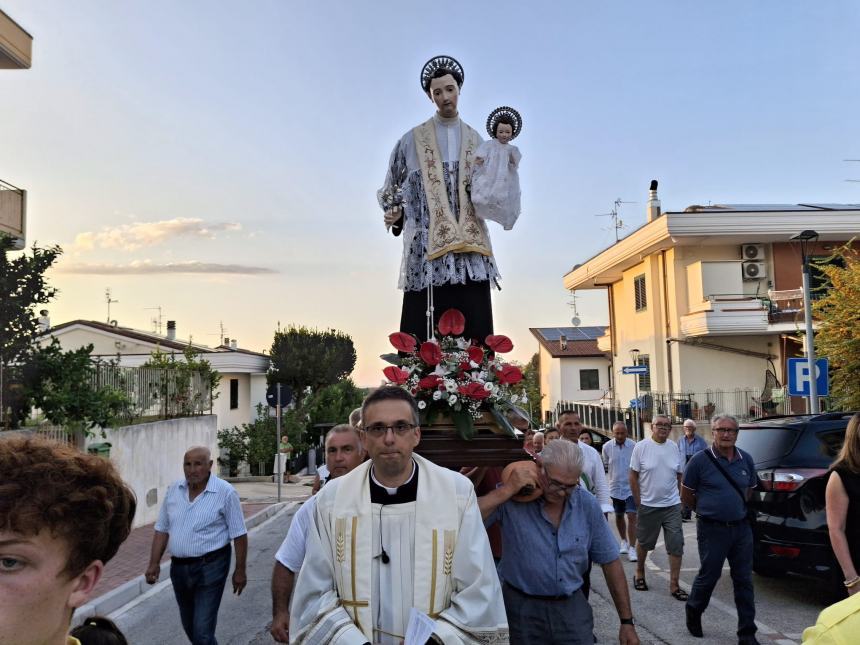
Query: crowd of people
x=393, y=544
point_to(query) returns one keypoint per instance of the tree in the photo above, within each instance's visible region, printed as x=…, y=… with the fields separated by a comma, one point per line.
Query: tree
x=63, y=386
x=529, y=388
x=838, y=313
x=22, y=288
x=178, y=397
x=308, y=358
x=331, y=404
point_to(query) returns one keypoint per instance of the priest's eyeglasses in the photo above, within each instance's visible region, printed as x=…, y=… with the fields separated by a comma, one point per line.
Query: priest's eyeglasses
x=400, y=428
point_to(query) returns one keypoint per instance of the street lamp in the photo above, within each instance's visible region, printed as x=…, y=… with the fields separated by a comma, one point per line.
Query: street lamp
x=806, y=238
x=634, y=356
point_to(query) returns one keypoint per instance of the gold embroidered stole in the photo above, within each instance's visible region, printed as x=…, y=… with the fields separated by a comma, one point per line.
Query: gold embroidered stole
x=448, y=234
x=436, y=524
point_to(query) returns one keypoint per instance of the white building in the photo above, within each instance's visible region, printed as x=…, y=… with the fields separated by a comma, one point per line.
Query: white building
x=243, y=372
x=572, y=367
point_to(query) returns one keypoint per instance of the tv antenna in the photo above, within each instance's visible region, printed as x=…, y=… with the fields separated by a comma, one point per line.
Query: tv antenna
x=223, y=330
x=852, y=161
x=617, y=224
x=575, y=321
x=109, y=301
x=156, y=321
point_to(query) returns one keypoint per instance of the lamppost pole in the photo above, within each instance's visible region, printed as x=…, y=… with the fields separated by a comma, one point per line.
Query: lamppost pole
x=634, y=356
x=805, y=237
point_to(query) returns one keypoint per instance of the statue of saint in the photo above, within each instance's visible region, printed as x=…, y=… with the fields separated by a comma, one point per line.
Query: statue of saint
x=447, y=257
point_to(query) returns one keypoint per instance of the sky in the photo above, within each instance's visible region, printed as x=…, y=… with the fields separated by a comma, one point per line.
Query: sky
x=220, y=160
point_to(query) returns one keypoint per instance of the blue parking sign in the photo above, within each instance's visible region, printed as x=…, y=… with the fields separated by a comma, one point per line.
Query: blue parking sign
x=798, y=376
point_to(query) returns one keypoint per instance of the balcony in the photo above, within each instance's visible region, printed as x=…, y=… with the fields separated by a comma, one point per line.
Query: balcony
x=13, y=213
x=726, y=315
x=16, y=45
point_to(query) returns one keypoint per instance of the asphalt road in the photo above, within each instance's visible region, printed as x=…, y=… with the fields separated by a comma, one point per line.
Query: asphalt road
x=784, y=606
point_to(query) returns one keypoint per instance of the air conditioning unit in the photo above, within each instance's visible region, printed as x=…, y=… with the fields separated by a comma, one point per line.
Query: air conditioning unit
x=752, y=252
x=754, y=270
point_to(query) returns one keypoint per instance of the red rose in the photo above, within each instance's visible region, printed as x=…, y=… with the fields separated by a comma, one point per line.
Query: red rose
x=476, y=354
x=395, y=374
x=500, y=344
x=465, y=366
x=429, y=382
x=473, y=390
x=403, y=342
x=452, y=323
x=509, y=374
x=430, y=353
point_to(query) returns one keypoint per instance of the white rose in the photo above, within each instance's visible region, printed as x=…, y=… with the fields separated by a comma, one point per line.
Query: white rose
x=450, y=385
x=452, y=399
x=488, y=387
x=437, y=395
x=422, y=405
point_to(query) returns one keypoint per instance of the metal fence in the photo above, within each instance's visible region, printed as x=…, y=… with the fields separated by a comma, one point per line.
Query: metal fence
x=743, y=403
x=154, y=392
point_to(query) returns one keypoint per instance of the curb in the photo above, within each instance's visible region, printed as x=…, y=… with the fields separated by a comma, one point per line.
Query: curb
x=117, y=598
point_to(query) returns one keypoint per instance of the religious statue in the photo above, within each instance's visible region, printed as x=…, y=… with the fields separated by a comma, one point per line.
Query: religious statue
x=495, y=178
x=447, y=257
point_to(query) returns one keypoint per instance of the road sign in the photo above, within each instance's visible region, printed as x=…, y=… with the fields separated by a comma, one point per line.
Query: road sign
x=634, y=369
x=272, y=395
x=798, y=376
x=634, y=403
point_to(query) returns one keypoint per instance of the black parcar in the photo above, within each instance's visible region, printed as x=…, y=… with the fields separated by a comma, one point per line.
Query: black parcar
x=792, y=455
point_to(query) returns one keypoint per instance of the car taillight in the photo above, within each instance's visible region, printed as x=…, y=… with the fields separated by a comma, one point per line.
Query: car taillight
x=788, y=479
x=785, y=551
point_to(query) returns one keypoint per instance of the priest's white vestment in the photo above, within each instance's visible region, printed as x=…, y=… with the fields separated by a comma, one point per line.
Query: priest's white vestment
x=439, y=561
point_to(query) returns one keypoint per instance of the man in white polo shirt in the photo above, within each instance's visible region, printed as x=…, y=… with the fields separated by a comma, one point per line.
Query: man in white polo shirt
x=655, y=479
x=200, y=516
x=343, y=452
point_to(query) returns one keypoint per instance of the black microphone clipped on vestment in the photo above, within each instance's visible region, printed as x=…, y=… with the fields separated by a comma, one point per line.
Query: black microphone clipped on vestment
x=383, y=555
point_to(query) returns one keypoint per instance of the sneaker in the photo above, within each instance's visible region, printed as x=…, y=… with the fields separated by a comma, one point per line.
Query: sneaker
x=623, y=548
x=631, y=555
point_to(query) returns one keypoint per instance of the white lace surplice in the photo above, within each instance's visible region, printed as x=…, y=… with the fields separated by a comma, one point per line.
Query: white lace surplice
x=496, y=183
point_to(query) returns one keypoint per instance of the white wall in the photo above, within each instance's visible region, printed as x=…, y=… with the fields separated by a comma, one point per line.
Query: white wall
x=149, y=456
x=228, y=418
x=570, y=368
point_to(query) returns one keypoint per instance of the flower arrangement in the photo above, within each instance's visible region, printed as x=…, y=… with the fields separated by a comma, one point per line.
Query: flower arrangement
x=452, y=376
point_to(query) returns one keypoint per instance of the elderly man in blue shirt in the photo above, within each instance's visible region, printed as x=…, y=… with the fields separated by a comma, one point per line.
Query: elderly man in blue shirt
x=689, y=445
x=543, y=596
x=200, y=516
x=616, y=459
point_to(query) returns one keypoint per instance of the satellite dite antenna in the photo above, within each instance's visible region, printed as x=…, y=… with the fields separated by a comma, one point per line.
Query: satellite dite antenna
x=156, y=322
x=575, y=321
x=617, y=224
x=852, y=161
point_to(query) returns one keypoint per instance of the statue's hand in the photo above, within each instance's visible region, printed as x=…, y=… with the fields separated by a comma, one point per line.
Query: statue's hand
x=392, y=215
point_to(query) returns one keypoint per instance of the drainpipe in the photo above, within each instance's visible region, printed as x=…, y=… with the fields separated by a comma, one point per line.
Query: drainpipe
x=669, y=373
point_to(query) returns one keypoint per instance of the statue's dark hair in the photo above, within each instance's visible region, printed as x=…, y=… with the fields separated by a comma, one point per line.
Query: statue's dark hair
x=507, y=120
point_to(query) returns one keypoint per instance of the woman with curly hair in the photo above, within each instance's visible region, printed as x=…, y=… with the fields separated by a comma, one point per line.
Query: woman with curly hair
x=842, y=495
x=63, y=515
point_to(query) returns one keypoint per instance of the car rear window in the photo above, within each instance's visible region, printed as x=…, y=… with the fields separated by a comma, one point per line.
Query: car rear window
x=765, y=444
x=831, y=442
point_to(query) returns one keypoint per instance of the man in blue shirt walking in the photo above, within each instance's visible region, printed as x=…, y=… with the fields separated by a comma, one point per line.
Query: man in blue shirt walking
x=717, y=483
x=616, y=458
x=544, y=600
x=689, y=445
x=200, y=516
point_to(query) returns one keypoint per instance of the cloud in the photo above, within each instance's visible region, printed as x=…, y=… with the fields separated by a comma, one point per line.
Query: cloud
x=146, y=267
x=130, y=237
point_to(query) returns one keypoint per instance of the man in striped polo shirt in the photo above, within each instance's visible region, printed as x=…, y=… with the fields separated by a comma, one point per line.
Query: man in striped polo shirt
x=201, y=514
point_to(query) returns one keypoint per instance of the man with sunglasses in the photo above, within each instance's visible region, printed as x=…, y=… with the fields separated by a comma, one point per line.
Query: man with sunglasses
x=396, y=533
x=543, y=596
x=717, y=483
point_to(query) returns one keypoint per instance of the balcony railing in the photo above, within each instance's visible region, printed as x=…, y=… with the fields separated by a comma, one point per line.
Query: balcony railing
x=12, y=211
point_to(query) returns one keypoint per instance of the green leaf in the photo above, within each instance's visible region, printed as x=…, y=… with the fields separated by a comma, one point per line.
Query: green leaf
x=464, y=424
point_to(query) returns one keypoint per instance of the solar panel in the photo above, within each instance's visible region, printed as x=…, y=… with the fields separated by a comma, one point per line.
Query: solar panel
x=554, y=334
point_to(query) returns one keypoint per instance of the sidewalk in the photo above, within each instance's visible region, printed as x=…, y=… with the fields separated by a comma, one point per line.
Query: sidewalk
x=122, y=580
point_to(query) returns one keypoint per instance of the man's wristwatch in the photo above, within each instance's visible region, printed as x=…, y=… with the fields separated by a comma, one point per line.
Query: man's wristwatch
x=628, y=621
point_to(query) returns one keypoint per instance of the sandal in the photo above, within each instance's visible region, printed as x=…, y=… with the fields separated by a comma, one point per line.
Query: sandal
x=680, y=594
x=639, y=584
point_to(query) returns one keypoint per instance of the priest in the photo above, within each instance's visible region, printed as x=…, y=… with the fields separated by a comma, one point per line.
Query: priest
x=447, y=257
x=397, y=533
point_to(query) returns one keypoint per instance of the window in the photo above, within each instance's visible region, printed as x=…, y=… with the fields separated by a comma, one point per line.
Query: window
x=234, y=393
x=589, y=380
x=639, y=292
x=645, y=379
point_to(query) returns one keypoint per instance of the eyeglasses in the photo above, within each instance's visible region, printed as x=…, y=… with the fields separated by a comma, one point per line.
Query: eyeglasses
x=564, y=488
x=380, y=429
x=663, y=425
x=726, y=430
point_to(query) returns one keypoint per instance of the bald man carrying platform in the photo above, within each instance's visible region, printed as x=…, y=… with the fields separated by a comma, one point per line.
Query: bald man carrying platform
x=200, y=516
